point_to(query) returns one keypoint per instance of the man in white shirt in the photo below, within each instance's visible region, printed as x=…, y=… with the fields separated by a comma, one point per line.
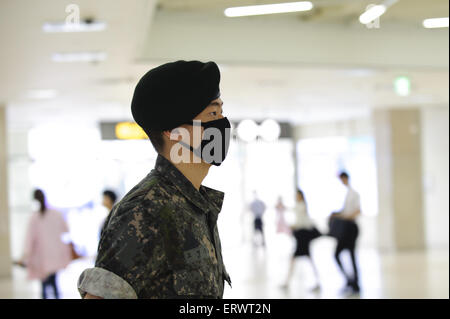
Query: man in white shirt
x=349, y=213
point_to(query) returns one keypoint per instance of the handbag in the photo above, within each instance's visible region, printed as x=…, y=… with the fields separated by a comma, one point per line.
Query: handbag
x=337, y=227
x=342, y=229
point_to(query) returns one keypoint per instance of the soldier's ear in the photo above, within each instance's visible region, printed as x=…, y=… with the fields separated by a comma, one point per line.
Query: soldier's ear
x=166, y=134
x=177, y=134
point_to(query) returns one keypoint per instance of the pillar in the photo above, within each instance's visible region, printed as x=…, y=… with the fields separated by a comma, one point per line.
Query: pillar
x=399, y=173
x=5, y=254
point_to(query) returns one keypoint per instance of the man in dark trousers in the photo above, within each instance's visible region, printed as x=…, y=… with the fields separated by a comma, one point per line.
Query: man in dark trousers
x=348, y=231
x=161, y=240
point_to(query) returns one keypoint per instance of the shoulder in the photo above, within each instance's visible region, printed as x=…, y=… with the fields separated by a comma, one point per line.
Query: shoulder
x=132, y=223
x=353, y=192
x=149, y=196
x=300, y=207
x=54, y=213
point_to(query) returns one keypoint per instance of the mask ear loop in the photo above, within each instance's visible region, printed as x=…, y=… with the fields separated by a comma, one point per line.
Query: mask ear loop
x=197, y=151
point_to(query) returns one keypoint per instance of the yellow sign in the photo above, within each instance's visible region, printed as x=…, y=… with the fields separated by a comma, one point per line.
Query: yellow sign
x=129, y=131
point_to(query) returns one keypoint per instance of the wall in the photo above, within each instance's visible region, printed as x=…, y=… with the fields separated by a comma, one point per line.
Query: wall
x=19, y=189
x=435, y=163
x=5, y=261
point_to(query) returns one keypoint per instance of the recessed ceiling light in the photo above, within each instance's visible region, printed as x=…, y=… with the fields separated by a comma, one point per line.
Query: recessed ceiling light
x=41, y=94
x=79, y=57
x=435, y=23
x=358, y=72
x=82, y=26
x=268, y=9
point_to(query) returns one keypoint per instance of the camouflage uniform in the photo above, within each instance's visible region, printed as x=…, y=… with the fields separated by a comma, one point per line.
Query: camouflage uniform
x=160, y=241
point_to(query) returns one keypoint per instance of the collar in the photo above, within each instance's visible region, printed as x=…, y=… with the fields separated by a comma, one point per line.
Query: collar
x=207, y=199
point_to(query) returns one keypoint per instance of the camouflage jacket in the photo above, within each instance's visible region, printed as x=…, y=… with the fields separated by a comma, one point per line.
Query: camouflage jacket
x=160, y=241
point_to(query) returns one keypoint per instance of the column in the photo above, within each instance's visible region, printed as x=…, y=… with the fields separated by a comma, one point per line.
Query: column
x=5, y=255
x=399, y=173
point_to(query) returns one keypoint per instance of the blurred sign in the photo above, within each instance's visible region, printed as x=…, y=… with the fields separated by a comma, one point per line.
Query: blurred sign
x=122, y=131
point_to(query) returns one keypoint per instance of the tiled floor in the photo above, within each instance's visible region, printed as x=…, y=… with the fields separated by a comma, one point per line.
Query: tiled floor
x=258, y=273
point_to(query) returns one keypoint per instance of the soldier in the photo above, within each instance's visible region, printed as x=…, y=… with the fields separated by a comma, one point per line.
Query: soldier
x=161, y=240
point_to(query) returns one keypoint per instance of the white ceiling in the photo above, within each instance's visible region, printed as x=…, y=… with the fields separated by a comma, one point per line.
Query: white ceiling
x=301, y=67
x=325, y=11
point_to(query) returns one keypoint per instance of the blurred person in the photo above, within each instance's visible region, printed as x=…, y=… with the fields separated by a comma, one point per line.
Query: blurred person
x=45, y=251
x=257, y=207
x=161, y=240
x=282, y=226
x=109, y=199
x=347, y=232
x=304, y=232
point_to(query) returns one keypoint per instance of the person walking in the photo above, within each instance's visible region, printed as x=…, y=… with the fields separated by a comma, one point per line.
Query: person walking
x=282, y=226
x=45, y=251
x=257, y=207
x=346, y=232
x=304, y=232
x=109, y=199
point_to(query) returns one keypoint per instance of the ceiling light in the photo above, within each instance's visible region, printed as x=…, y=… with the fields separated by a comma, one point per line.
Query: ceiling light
x=375, y=11
x=270, y=130
x=79, y=57
x=372, y=13
x=435, y=23
x=41, y=94
x=247, y=130
x=82, y=26
x=268, y=9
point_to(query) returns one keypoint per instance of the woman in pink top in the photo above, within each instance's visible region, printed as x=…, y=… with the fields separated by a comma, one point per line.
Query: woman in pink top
x=282, y=226
x=45, y=251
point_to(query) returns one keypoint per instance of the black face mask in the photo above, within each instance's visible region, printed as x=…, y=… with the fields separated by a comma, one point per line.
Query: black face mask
x=215, y=141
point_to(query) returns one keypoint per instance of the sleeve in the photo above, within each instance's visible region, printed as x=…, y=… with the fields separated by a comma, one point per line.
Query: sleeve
x=103, y=283
x=128, y=256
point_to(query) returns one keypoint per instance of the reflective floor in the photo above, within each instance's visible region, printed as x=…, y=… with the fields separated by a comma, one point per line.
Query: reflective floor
x=259, y=273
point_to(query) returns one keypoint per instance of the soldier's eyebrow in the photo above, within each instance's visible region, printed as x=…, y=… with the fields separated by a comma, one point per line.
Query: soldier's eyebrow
x=215, y=103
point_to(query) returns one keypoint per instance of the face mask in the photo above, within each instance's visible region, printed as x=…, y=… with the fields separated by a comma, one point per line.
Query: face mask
x=215, y=141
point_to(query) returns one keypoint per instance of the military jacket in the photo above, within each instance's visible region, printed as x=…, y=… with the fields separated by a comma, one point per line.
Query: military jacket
x=160, y=241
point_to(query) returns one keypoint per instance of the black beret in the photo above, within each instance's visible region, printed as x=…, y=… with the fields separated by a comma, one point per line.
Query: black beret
x=174, y=93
